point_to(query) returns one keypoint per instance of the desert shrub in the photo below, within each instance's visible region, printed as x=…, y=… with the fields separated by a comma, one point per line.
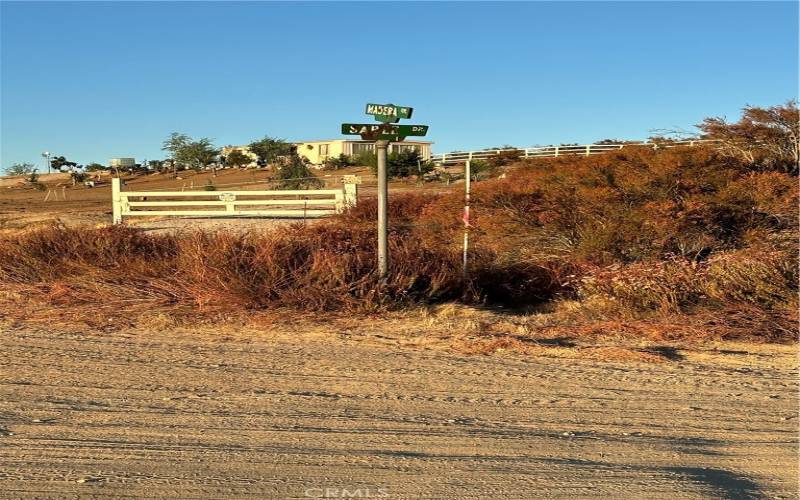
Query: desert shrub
x=326, y=267
x=635, y=204
x=33, y=180
x=481, y=169
x=366, y=159
x=663, y=286
x=337, y=162
x=764, y=139
x=504, y=157
x=766, y=278
x=78, y=177
x=295, y=174
x=752, y=278
x=58, y=252
x=405, y=163
x=402, y=208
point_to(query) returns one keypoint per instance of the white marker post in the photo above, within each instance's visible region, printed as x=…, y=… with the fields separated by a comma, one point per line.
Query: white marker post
x=467, y=174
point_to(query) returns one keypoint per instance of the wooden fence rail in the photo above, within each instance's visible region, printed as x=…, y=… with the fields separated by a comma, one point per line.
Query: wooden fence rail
x=458, y=157
x=292, y=203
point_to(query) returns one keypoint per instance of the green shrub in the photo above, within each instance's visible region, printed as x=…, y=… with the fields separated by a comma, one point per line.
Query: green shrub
x=295, y=174
x=337, y=162
x=404, y=163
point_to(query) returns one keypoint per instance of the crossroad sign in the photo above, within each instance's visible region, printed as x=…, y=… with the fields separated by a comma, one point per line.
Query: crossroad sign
x=385, y=132
x=389, y=113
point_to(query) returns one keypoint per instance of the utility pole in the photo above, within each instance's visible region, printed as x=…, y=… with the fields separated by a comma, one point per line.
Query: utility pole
x=46, y=155
x=383, y=209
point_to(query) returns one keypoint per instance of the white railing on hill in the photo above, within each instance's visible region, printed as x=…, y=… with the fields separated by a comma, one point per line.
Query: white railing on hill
x=457, y=157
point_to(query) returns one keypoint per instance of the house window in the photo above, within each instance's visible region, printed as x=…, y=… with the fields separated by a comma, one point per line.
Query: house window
x=407, y=147
x=363, y=147
x=323, y=149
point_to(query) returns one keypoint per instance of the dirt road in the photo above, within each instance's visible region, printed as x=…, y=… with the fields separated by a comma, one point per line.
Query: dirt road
x=224, y=415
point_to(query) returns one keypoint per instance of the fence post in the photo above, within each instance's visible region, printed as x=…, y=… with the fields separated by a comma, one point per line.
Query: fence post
x=350, y=190
x=556, y=151
x=588, y=149
x=339, y=202
x=116, y=201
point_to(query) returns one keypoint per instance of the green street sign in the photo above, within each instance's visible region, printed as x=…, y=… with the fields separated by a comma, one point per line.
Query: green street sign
x=389, y=113
x=384, y=132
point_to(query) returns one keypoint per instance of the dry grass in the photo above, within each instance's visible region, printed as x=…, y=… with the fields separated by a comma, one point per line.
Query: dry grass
x=675, y=245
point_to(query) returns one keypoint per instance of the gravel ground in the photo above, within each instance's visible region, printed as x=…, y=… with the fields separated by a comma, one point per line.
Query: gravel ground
x=228, y=414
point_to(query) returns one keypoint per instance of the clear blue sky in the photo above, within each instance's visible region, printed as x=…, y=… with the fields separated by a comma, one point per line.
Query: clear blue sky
x=93, y=80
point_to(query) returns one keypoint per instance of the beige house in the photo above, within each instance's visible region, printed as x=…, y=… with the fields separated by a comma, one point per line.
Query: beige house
x=318, y=151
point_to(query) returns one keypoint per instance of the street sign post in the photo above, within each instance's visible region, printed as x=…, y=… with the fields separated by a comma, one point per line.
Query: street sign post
x=384, y=133
x=389, y=113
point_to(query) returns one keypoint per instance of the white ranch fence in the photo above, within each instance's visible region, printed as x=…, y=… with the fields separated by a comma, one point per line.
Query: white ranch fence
x=458, y=157
x=276, y=203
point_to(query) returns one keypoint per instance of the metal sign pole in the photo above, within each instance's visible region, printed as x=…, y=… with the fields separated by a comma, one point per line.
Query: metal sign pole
x=383, y=133
x=383, y=209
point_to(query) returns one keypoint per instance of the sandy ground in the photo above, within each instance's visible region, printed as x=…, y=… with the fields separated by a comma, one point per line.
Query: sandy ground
x=279, y=414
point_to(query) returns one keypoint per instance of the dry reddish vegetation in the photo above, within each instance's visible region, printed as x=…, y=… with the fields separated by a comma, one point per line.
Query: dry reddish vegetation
x=685, y=236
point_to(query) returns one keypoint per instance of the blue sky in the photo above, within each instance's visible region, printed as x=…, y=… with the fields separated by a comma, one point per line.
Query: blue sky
x=94, y=80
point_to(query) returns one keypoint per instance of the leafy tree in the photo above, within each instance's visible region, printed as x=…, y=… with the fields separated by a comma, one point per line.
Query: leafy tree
x=766, y=138
x=95, y=167
x=295, y=174
x=269, y=148
x=174, y=145
x=198, y=154
x=237, y=159
x=59, y=161
x=21, y=169
x=156, y=165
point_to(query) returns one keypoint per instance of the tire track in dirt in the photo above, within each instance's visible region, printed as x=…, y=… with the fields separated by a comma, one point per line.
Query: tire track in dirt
x=205, y=415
